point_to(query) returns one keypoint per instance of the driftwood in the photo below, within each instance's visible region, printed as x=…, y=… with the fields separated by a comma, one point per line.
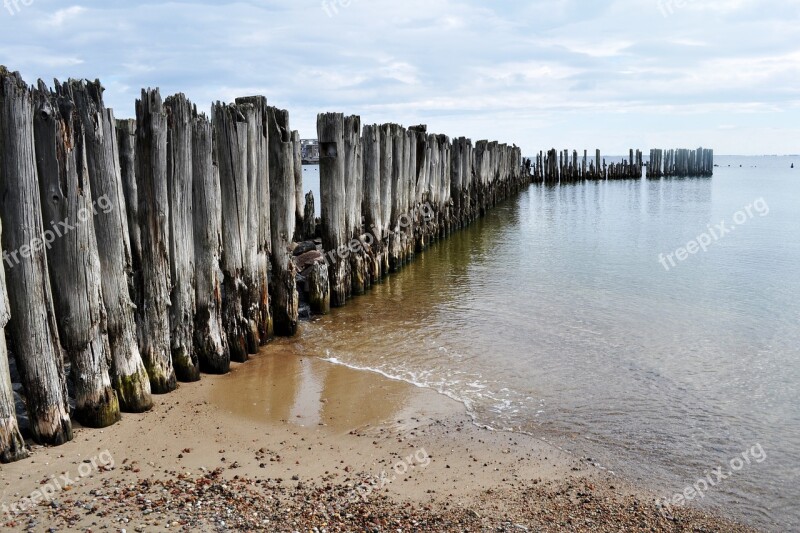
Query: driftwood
x=297, y=161
x=181, y=237
x=332, y=178
x=285, y=301
x=34, y=333
x=257, y=250
x=230, y=151
x=128, y=375
x=210, y=340
x=151, y=179
x=74, y=261
x=12, y=447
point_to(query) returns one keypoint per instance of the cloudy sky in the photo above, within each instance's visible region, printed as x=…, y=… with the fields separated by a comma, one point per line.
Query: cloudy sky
x=545, y=73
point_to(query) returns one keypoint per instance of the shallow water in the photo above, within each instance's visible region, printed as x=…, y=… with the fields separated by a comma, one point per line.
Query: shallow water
x=282, y=385
x=553, y=315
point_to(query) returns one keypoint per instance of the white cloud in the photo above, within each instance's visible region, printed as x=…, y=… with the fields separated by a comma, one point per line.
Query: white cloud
x=60, y=17
x=536, y=73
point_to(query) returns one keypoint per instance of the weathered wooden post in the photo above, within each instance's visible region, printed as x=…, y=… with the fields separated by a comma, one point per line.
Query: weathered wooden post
x=410, y=201
x=597, y=164
x=126, y=142
x=181, y=237
x=574, y=170
x=387, y=165
x=669, y=162
x=151, y=180
x=398, y=193
x=230, y=152
x=555, y=158
x=467, y=169
x=285, y=301
x=444, y=184
x=210, y=340
x=128, y=374
x=258, y=209
x=12, y=446
x=457, y=177
x=319, y=290
x=630, y=163
x=403, y=221
x=422, y=168
x=330, y=131
x=433, y=186
x=66, y=197
x=482, y=171
x=373, y=223
x=298, y=186
x=711, y=162
x=310, y=217
x=584, y=165
x=354, y=190
x=33, y=331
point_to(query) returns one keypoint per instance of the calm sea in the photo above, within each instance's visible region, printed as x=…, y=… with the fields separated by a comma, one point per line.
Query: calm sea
x=554, y=315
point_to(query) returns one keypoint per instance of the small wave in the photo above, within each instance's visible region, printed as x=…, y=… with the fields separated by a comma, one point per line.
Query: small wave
x=467, y=403
x=497, y=406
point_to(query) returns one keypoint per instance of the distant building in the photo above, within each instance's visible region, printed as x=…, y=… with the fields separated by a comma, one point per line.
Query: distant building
x=310, y=151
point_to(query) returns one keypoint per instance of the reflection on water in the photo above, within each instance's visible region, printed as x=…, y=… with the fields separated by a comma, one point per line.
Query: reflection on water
x=553, y=315
x=282, y=386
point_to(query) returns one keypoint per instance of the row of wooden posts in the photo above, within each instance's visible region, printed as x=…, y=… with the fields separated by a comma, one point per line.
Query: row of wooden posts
x=680, y=163
x=139, y=253
x=559, y=167
x=409, y=187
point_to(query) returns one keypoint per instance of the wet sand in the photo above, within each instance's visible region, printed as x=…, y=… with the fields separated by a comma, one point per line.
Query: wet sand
x=288, y=443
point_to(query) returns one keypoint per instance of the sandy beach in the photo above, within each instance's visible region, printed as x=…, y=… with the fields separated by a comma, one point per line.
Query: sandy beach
x=355, y=452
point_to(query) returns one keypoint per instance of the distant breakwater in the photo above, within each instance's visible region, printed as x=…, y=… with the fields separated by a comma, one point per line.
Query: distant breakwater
x=559, y=166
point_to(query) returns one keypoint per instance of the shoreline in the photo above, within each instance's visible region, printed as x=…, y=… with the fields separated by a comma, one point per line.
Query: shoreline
x=304, y=457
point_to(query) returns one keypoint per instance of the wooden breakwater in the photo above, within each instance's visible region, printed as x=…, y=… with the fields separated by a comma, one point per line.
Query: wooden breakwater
x=139, y=253
x=417, y=187
x=559, y=166
x=556, y=166
x=680, y=163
